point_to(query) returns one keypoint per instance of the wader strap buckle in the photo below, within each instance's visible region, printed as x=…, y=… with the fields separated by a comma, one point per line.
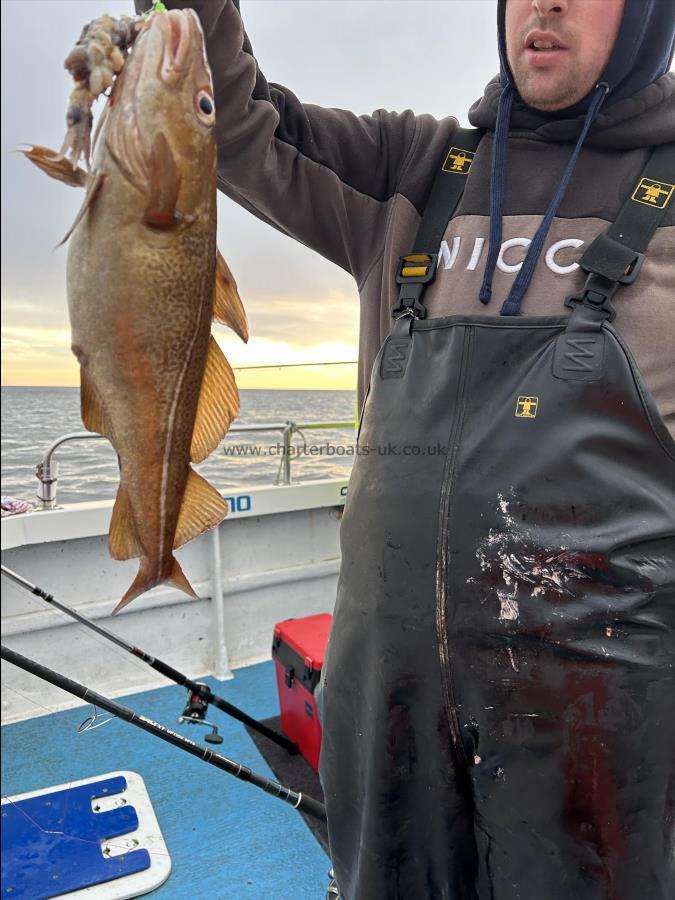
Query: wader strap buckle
x=615, y=257
x=418, y=268
x=596, y=294
x=610, y=264
x=415, y=271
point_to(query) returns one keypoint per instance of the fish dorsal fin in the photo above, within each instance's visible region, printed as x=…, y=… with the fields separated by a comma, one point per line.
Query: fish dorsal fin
x=93, y=189
x=218, y=404
x=91, y=408
x=203, y=508
x=163, y=185
x=123, y=540
x=227, y=306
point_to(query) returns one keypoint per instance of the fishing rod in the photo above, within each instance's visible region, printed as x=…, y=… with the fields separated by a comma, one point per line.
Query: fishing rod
x=199, y=695
x=296, y=799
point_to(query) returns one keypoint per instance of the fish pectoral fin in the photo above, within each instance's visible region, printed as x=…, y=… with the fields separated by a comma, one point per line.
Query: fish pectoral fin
x=91, y=408
x=218, y=404
x=148, y=577
x=56, y=165
x=203, y=508
x=123, y=540
x=93, y=190
x=227, y=306
x=163, y=184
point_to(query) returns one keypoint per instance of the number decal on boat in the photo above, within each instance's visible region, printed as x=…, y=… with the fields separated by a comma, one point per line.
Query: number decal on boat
x=241, y=503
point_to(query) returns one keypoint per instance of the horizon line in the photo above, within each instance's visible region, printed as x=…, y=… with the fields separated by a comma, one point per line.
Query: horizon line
x=76, y=387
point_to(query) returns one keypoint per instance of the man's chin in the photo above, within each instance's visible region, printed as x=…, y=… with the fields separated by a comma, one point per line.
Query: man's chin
x=541, y=94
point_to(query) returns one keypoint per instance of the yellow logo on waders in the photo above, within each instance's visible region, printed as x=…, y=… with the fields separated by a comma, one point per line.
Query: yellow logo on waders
x=653, y=193
x=526, y=407
x=458, y=161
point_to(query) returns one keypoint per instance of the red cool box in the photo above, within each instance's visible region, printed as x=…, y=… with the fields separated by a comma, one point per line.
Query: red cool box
x=298, y=649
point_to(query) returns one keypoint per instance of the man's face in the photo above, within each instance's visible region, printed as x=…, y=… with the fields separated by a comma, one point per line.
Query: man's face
x=575, y=40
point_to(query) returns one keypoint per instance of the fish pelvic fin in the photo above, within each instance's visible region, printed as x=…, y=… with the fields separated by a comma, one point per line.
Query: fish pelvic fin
x=150, y=575
x=91, y=408
x=123, y=540
x=227, y=306
x=218, y=404
x=56, y=165
x=203, y=508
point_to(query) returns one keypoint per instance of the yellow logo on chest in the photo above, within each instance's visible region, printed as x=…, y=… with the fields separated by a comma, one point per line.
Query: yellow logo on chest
x=526, y=407
x=653, y=193
x=458, y=161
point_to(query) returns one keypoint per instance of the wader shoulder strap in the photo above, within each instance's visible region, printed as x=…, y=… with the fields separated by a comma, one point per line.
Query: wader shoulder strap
x=615, y=257
x=418, y=269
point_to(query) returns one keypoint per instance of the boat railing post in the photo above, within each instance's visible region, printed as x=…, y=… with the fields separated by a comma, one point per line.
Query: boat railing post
x=46, y=492
x=288, y=434
x=46, y=470
x=221, y=659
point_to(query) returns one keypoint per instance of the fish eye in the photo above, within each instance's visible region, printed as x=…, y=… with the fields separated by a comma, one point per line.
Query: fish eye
x=205, y=107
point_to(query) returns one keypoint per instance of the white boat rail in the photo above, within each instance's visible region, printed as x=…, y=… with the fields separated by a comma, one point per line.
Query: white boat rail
x=46, y=471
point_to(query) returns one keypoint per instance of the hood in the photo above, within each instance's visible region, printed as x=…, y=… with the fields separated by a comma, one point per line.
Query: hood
x=643, y=120
x=642, y=53
x=631, y=105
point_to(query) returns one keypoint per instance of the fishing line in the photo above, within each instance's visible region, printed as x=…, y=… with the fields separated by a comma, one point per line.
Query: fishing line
x=202, y=691
x=79, y=729
x=50, y=712
x=77, y=837
x=75, y=757
x=86, y=631
x=346, y=362
x=69, y=785
x=296, y=799
x=303, y=803
x=155, y=677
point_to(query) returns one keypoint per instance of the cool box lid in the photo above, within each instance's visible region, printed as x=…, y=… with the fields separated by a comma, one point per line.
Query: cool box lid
x=301, y=644
x=307, y=636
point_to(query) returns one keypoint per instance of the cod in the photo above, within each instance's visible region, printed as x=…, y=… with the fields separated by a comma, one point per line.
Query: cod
x=144, y=282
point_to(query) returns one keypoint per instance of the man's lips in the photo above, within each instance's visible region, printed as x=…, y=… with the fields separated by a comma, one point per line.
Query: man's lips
x=544, y=37
x=543, y=48
x=540, y=59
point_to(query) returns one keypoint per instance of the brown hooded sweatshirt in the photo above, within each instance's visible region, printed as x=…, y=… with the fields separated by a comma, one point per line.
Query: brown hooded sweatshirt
x=353, y=188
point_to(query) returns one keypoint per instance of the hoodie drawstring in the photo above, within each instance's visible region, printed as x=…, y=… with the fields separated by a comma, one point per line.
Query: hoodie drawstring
x=511, y=306
x=497, y=182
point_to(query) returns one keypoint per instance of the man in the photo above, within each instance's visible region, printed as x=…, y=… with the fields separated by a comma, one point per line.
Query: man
x=499, y=715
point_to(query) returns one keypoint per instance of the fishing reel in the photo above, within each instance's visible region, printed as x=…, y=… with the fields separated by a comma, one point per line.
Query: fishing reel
x=195, y=712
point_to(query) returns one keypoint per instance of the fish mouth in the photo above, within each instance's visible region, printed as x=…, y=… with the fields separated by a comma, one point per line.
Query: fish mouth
x=177, y=30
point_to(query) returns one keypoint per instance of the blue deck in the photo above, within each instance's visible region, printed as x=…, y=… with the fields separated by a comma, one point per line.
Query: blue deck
x=227, y=840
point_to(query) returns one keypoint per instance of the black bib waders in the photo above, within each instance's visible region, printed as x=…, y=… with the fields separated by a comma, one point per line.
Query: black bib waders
x=499, y=690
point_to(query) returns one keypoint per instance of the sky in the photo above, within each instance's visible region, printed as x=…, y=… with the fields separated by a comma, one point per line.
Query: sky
x=432, y=56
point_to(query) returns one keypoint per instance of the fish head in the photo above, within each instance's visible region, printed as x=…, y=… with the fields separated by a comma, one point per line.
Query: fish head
x=161, y=121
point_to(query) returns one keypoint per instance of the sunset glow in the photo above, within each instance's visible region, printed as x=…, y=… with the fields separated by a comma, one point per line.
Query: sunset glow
x=35, y=356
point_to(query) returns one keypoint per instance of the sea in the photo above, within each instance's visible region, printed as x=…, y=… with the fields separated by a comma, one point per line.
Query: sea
x=34, y=417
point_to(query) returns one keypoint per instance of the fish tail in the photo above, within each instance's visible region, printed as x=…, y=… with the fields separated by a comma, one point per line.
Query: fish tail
x=178, y=579
x=150, y=575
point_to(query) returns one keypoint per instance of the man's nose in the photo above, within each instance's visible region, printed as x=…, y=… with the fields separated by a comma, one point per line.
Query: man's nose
x=548, y=7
